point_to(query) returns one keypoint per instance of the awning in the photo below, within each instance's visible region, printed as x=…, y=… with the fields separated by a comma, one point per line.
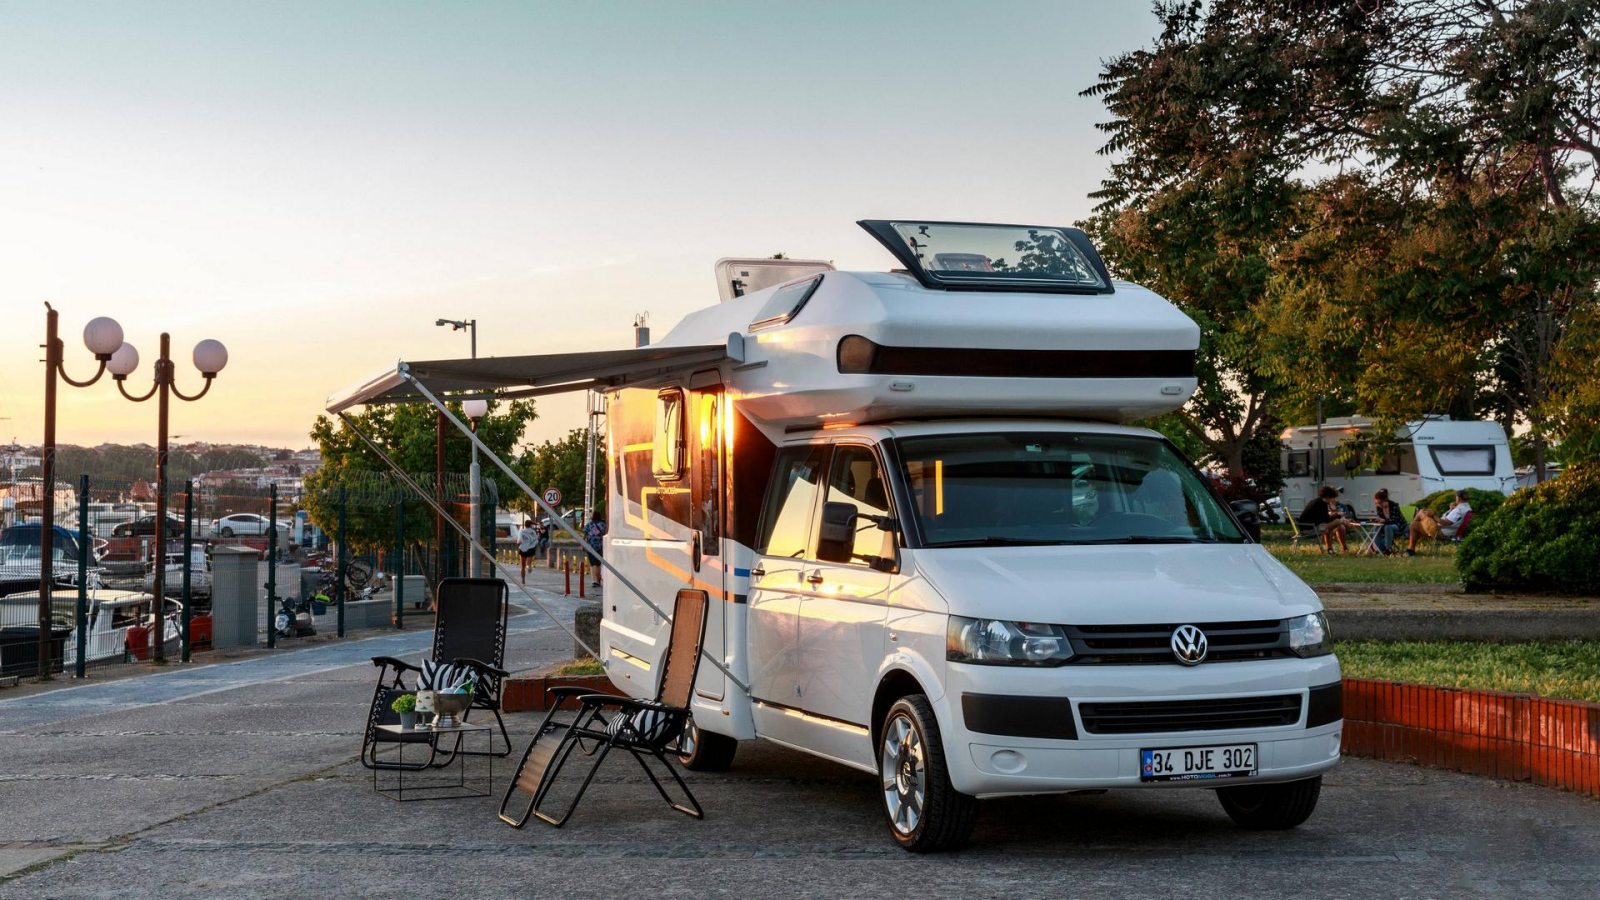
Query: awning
x=508, y=377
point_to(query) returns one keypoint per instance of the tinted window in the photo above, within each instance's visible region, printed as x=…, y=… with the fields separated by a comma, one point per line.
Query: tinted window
x=1463, y=460
x=785, y=303
x=786, y=522
x=856, y=479
x=667, y=453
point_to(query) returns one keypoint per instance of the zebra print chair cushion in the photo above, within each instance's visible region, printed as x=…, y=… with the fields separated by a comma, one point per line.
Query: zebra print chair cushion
x=441, y=676
x=649, y=725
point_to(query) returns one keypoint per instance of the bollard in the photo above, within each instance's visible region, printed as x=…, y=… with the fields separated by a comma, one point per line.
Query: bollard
x=566, y=574
x=583, y=568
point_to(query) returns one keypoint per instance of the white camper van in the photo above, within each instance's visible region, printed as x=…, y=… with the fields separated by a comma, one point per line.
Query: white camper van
x=1434, y=453
x=943, y=559
x=935, y=549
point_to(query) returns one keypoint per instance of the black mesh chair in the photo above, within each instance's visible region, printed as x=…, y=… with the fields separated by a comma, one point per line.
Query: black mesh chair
x=645, y=729
x=469, y=629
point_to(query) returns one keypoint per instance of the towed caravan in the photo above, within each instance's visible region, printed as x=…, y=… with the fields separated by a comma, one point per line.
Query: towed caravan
x=941, y=554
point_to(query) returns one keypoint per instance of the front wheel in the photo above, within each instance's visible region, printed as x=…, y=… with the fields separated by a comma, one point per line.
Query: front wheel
x=926, y=813
x=227, y=532
x=1271, y=807
x=705, y=751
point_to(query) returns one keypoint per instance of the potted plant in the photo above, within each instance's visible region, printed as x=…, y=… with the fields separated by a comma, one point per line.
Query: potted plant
x=406, y=706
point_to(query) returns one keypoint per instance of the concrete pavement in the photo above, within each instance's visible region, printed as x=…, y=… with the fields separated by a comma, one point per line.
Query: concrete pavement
x=248, y=787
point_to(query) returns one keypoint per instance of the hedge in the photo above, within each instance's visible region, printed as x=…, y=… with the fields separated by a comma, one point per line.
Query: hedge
x=1544, y=538
x=1484, y=504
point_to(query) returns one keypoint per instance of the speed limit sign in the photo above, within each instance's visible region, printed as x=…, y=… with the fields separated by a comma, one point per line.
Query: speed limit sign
x=552, y=496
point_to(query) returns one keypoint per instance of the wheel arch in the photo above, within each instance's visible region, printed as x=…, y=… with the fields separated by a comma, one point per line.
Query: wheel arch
x=892, y=685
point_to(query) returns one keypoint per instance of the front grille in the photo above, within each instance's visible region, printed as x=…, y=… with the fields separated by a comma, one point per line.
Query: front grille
x=1189, y=715
x=1151, y=644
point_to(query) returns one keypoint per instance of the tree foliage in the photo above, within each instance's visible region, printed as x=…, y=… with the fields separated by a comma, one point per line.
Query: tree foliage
x=560, y=464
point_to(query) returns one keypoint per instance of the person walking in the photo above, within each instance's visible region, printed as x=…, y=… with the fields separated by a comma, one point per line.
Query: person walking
x=595, y=536
x=527, y=546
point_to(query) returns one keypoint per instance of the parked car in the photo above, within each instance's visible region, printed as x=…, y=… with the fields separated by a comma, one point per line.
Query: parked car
x=244, y=524
x=146, y=525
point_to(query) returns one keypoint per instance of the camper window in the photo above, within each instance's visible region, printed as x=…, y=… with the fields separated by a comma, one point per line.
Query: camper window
x=1299, y=463
x=667, y=453
x=1463, y=460
x=791, y=502
x=958, y=254
x=785, y=303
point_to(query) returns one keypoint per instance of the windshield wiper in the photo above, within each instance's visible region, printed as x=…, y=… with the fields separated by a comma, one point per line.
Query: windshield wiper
x=996, y=542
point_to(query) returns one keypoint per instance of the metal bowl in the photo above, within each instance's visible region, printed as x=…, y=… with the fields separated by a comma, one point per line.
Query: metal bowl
x=447, y=707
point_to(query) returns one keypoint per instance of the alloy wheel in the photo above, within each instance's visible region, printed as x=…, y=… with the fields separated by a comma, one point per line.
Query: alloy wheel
x=902, y=768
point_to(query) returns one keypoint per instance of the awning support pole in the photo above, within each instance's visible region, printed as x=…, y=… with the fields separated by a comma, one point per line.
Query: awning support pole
x=555, y=517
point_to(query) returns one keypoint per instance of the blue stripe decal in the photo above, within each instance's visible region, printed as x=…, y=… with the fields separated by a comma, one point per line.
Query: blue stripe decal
x=741, y=573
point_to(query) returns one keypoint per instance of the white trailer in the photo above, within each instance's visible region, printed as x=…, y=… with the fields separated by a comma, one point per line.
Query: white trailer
x=1434, y=453
x=936, y=550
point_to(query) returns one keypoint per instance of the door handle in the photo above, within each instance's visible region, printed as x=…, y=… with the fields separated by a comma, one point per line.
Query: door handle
x=758, y=572
x=814, y=578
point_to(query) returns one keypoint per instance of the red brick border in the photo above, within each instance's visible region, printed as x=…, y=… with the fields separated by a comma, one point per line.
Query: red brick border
x=1555, y=743
x=524, y=693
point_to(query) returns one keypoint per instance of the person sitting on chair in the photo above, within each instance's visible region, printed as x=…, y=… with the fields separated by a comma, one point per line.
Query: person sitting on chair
x=1391, y=521
x=1323, y=515
x=1427, y=525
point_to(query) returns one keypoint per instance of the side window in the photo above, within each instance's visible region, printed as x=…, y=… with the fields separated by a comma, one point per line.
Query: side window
x=1299, y=463
x=786, y=521
x=857, y=479
x=667, y=454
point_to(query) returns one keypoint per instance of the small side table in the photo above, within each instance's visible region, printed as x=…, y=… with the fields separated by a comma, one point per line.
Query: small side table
x=426, y=784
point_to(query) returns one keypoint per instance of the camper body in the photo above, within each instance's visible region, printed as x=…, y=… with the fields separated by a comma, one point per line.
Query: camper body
x=1431, y=454
x=995, y=504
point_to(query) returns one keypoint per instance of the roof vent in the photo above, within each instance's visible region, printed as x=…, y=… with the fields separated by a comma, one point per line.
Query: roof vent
x=738, y=277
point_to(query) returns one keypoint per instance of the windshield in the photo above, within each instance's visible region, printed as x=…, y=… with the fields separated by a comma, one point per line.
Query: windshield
x=1036, y=488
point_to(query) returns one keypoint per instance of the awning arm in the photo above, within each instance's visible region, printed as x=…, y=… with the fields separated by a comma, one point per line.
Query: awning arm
x=555, y=517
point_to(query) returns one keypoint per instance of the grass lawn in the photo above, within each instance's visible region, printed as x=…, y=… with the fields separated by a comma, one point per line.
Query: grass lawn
x=1567, y=669
x=586, y=665
x=1434, y=564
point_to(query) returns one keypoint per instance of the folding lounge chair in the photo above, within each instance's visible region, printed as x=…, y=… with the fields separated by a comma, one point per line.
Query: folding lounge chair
x=645, y=729
x=469, y=630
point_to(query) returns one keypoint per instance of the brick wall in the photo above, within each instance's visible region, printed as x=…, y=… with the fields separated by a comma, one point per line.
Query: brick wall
x=1520, y=737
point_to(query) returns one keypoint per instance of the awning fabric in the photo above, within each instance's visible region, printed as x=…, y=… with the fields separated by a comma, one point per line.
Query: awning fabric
x=531, y=376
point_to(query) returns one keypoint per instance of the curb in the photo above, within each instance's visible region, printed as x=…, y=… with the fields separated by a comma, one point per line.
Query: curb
x=1518, y=737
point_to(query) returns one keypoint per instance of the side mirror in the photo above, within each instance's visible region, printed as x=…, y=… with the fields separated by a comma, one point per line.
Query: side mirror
x=838, y=535
x=1249, y=515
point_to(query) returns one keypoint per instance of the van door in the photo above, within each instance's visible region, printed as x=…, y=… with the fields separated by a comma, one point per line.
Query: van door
x=783, y=546
x=845, y=606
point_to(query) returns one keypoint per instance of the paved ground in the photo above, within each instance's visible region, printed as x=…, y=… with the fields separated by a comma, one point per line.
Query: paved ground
x=242, y=782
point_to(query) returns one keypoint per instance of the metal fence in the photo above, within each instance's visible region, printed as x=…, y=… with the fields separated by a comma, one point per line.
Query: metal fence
x=357, y=534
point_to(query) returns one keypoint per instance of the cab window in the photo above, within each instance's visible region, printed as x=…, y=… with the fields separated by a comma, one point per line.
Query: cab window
x=786, y=521
x=667, y=451
x=857, y=479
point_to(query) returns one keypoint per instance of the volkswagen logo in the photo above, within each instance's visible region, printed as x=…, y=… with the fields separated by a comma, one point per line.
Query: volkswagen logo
x=1189, y=645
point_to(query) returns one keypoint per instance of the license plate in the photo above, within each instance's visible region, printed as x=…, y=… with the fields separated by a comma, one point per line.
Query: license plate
x=1196, y=763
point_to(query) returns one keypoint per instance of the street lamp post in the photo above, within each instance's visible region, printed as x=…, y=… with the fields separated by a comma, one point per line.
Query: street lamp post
x=209, y=357
x=475, y=410
x=103, y=337
x=471, y=327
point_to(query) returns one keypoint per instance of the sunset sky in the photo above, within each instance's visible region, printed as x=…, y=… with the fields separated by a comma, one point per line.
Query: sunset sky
x=315, y=183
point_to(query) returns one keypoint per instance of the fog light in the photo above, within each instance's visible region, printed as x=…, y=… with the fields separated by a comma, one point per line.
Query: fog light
x=1008, y=762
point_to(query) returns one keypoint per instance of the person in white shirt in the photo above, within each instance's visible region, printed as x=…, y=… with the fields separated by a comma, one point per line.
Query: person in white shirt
x=527, y=544
x=1445, y=527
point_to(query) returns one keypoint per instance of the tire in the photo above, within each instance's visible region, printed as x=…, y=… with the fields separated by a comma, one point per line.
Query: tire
x=911, y=762
x=1271, y=807
x=705, y=751
x=226, y=531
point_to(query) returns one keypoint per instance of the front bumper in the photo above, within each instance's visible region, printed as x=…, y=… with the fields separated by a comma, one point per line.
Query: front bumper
x=1054, y=756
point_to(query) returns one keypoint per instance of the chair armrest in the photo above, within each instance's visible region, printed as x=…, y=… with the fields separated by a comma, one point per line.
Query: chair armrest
x=402, y=665
x=630, y=704
x=481, y=666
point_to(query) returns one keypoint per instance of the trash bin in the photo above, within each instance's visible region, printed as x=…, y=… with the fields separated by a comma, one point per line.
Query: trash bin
x=19, y=648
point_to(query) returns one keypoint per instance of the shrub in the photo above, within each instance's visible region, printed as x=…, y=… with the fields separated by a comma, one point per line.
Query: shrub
x=1484, y=504
x=1543, y=538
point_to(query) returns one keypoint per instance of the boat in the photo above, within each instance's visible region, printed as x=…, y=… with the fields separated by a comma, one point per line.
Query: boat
x=110, y=615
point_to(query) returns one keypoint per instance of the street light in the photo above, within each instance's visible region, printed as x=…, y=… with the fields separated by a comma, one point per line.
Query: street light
x=210, y=357
x=103, y=337
x=475, y=410
x=471, y=327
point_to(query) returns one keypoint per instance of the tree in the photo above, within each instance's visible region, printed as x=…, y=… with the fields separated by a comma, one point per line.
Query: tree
x=406, y=432
x=560, y=464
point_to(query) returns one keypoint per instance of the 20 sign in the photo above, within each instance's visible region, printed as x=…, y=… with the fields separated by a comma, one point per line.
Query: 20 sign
x=552, y=496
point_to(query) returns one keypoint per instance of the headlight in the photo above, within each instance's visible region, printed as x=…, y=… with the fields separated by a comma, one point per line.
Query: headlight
x=1309, y=635
x=997, y=642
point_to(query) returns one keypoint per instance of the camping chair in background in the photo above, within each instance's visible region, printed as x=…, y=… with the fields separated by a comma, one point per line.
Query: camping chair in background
x=469, y=630
x=645, y=729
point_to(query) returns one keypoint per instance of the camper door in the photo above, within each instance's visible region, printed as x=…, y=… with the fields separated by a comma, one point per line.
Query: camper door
x=665, y=519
